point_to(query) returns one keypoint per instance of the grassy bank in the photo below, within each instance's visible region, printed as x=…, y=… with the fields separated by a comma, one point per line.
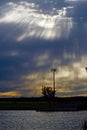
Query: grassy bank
x=72, y=103
x=23, y=105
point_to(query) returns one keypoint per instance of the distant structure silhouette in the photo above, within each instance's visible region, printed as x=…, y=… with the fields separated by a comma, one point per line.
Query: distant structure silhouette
x=86, y=69
x=54, y=70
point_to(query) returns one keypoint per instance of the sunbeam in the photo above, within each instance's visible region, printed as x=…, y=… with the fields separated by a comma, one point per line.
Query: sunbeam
x=34, y=22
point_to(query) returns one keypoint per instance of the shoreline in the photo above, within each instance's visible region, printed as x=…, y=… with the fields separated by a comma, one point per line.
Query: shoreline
x=44, y=104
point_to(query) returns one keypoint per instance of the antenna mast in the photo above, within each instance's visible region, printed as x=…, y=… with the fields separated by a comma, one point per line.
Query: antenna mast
x=54, y=70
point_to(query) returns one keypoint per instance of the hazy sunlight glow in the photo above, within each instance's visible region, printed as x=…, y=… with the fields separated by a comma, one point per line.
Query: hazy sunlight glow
x=10, y=94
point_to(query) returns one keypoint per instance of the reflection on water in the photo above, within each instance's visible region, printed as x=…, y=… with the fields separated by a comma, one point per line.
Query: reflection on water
x=31, y=120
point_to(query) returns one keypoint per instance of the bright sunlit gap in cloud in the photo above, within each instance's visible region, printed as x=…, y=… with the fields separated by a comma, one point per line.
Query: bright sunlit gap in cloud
x=35, y=23
x=10, y=94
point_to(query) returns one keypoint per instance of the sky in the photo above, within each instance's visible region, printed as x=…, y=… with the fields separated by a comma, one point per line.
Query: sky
x=36, y=36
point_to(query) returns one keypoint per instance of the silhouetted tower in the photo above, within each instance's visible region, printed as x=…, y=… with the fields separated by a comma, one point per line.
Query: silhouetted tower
x=53, y=70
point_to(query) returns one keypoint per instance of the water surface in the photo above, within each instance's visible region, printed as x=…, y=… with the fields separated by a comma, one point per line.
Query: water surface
x=32, y=120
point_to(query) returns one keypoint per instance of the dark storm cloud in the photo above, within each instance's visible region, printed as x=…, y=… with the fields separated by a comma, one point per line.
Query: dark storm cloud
x=78, y=34
x=79, y=13
x=26, y=44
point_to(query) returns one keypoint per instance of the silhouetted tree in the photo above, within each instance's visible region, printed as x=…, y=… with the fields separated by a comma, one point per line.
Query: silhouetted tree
x=47, y=91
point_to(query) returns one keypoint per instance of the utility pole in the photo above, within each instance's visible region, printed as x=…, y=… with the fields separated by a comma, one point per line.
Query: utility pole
x=54, y=70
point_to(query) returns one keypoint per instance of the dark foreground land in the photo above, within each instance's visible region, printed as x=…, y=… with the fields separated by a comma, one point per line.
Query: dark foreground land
x=44, y=104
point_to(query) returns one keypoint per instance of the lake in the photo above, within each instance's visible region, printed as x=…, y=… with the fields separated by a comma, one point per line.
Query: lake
x=32, y=120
